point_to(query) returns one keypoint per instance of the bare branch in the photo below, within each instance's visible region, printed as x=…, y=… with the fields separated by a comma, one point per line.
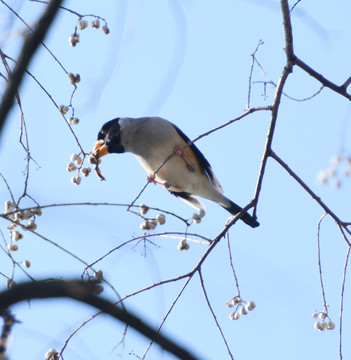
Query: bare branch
x=311, y=193
x=320, y=262
x=167, y=314
x=232, y=265
x=278, y=94
x=253, y=60
x=342, y=90
x=289, y=45
x=214, y=315
x=342, y=301
x=83, y=292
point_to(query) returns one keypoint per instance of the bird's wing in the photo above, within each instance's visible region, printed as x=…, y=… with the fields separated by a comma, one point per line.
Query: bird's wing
x=204, y=165
x=190, y=200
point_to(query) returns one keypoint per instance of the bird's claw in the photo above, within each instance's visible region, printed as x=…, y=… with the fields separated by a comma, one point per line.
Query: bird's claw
x=152, y=179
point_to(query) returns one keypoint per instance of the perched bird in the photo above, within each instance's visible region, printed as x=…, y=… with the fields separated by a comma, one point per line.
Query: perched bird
x=169, y=158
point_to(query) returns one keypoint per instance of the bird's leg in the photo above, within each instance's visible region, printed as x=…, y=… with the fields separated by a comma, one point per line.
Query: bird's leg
x=179, y=150
x=152, y=178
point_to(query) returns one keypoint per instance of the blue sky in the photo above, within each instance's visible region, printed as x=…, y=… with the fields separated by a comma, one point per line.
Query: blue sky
x=189, y=62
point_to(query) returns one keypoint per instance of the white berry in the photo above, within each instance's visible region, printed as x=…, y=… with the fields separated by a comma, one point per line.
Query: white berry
x=234, y=316
x=143, y=209
x=105, y=29
x=99, y=274
x=76, y=180
x=161, y=218
x=37, y=211
x=51, y=354
x=95, y=24
x=73, y=121
x=196, y=218
x=82, y=24
x=86, y=171
x=322, y=315
x=12, y=247
x=242, y=311
x=183, y=245
x=330, y=325
x=16, y=235
x=10, y=283
x=71, y=166
x=250, y=305
x=63, y=109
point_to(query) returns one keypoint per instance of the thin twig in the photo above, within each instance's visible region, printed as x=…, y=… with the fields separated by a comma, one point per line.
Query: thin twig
x=342, y=90
x=55, y=104
x=167, y=314
x=320, y=262
x=253, y=59
x=30, y=46
x=342, y=301
x=31, y=30
x=310, y=192
x=291, y=97
x=214, y=315
x=232, y=265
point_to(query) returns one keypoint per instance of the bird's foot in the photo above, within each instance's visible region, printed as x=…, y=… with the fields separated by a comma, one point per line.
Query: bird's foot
x=179, y=150
x=152, y=178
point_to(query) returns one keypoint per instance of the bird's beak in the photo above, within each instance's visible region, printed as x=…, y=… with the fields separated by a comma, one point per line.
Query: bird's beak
x=100, y=149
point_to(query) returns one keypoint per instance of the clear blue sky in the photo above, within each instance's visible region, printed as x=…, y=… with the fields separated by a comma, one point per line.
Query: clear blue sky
x=187, y=61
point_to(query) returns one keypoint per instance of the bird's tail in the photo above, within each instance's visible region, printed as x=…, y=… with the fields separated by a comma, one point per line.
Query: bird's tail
x=234, y=209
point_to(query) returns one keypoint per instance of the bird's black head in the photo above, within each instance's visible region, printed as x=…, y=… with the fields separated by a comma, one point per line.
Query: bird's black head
x=110, y=133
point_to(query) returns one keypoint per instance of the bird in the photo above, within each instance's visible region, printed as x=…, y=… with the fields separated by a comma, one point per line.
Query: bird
x=170, y=159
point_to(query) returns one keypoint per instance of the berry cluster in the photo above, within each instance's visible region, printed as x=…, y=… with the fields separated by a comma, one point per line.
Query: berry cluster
x=83, y=24
x=73, y=79
x=12, y=212
x=325, y=323
x=76, y=164
x=63, y=109
x=339, y=163
x=242, y=307
x=16, y=215
x=150, y=224
x=196, y=218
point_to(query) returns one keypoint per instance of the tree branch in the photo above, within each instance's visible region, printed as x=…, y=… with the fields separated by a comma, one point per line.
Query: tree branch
x=277, y=97
x=339, y=89
x=83, y=292
x=311, y=193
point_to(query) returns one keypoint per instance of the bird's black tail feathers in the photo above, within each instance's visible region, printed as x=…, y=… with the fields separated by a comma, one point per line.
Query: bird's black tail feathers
x=246, y=218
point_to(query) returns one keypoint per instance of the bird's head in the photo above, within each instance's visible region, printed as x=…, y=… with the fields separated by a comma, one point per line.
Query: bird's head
x=108, y=139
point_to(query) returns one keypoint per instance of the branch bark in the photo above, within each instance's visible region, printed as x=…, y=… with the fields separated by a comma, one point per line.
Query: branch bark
x=83, y=292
